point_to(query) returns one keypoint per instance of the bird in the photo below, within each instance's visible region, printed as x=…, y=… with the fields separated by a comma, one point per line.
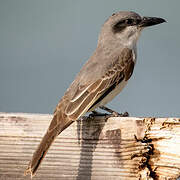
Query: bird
x=101, y=78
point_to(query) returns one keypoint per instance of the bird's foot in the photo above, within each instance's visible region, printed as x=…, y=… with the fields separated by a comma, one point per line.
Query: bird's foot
x=125, y=114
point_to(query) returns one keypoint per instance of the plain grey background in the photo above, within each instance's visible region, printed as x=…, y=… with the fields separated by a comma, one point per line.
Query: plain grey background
x=43, y=44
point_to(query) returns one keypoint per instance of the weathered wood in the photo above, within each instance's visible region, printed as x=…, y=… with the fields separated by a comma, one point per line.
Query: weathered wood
x=95, y=149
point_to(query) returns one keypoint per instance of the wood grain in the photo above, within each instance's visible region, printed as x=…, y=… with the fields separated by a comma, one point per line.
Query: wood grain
x=96, y=149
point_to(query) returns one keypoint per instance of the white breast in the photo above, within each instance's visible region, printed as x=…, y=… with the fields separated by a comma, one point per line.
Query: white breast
x=111, y=95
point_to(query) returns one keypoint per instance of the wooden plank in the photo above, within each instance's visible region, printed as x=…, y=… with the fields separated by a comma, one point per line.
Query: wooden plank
x=96, y=149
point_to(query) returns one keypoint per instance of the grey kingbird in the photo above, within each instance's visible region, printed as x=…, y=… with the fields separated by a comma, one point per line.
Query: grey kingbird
x=102, y=77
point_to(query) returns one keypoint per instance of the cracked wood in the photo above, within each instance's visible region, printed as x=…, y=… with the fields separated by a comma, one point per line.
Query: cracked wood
x=92, y=148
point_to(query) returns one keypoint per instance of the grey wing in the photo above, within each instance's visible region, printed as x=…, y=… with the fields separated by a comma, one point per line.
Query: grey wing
x=88, y=95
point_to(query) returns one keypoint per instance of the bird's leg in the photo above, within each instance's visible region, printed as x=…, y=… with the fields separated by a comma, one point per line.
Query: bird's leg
x=114, y=113
x=109, y=110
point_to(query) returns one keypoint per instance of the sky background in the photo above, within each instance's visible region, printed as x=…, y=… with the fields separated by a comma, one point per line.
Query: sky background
x=44, y=43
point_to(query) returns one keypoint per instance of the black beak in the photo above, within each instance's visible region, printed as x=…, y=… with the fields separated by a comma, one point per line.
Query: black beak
x=151, y=21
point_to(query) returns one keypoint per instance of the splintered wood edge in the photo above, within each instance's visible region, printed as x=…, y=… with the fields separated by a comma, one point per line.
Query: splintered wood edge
x=163, y=135
x=160, y=137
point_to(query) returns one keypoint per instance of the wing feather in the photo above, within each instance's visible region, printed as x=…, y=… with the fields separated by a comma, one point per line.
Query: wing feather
x=87, y=95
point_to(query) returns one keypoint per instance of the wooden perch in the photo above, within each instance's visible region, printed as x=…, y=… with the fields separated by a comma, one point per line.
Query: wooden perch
x=95, y=149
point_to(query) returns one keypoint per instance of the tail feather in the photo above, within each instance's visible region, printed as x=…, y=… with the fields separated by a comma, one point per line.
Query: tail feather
x=54, y=130
x=40, y=152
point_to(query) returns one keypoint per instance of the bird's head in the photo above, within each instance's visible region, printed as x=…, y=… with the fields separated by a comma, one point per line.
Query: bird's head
x=125, y=27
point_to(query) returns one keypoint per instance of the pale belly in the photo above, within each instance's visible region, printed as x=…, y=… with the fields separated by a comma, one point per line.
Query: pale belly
x=111, y=95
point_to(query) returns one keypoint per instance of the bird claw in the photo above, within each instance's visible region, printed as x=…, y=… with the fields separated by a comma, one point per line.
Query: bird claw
x=125, y=114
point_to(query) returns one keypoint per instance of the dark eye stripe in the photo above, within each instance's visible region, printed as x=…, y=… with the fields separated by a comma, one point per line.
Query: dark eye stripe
x=126, y=22
x=120, y=23
x=119, y=26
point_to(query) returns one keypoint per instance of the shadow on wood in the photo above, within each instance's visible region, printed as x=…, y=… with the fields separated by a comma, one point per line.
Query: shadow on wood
x=88, y=142
x=95, y=149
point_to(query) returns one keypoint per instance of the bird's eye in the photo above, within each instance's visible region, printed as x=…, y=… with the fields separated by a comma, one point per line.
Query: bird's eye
x=129, y=21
